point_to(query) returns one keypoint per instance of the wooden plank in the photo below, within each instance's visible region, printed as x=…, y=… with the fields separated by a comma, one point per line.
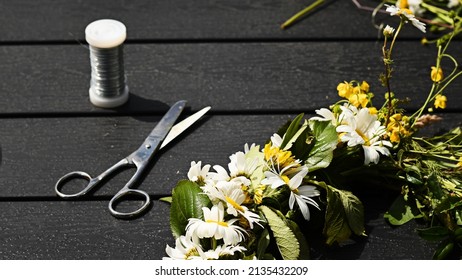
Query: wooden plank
x=47, y=20
x=37, y=152
x=254, y=77
x=85, y=230
x=80, y=230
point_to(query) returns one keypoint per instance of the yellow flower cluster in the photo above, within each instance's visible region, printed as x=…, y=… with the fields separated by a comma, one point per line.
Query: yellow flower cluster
x=398, y=127
x=358, y=95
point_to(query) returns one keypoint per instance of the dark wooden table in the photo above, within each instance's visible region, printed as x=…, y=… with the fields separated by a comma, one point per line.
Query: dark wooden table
x=229, y=54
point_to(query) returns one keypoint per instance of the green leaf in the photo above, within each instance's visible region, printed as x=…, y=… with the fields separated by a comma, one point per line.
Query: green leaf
x=304, y=247
x=434, y=233
x=263, y=243
x=344, y=215
x=292, y=130
x=187, y=202
x=443, y=250
x=450, y=203
x=286, y=240
x=326, y=139
x=167, y=199
x=401, y=212
x=413, y=175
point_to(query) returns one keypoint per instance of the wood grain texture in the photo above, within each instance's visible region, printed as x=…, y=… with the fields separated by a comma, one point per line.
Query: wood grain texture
x=230, y=77
x=80, y=230
x=86, y=230
x=37, y=152
x=47, y=20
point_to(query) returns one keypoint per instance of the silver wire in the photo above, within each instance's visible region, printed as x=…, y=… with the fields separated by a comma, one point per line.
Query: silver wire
x=108, y=78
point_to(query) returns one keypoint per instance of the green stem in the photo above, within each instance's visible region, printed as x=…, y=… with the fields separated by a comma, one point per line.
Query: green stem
x=301, y=14
x=431, y=95
x=213, y=242
x=387, y=61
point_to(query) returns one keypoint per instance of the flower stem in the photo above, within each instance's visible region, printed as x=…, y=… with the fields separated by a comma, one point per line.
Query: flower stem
x=298, y=16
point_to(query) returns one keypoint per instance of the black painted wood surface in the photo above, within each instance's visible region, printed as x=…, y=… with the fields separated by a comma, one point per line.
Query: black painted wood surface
x=230, y=55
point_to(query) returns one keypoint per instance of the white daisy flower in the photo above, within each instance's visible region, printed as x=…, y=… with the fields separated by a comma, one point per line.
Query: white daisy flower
x=240, y=165
x=220, y=175
x=215, y=226
x=364, y=129
x=197, y=173
x=185, y=249
x=388, y=31
x=407, y=15
x=302, y=194
x=276, y=140
x=232, y=194
x=326, y=115
x=453, y=3
x=247, y=148
x=275, y=178
x=222, y=251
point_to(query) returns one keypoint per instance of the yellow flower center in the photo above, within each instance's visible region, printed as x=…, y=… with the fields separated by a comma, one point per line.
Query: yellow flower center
x=190, y=253
x=223, y=224
x=280, y=157
x=405, y=11
x=365, y=138
x=234, y=204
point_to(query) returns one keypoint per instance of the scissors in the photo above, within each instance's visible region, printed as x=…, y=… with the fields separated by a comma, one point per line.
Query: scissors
x=160, y=136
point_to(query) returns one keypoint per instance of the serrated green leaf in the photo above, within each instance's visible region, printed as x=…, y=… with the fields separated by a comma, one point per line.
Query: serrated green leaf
x=285, y=239
x=304, y=246
x=187, y=202
x=344, y=215
x=434, y=233
x=326, y=139
x=401, y=212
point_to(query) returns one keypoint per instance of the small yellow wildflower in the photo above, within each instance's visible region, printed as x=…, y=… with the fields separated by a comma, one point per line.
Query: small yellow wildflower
x=459, y=164
x=359, y=100
x=344, y=89
x=436, y=74
x=398, y=127
x=373, y=111
x=394, y=135
x=365, y=87
x=440, y=101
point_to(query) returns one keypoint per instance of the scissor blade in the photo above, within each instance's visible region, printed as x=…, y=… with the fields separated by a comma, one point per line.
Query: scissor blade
x=183, y=125
x=164, y=126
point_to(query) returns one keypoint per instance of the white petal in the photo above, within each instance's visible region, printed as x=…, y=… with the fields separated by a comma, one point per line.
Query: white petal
x=370, y=155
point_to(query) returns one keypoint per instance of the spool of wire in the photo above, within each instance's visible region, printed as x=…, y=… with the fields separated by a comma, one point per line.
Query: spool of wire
x=108, y=84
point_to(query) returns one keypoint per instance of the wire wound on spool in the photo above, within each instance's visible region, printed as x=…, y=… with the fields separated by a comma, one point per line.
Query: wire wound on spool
x=108, y=86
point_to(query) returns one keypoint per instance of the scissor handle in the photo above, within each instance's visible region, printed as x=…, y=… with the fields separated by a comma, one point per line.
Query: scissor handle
x=125, y=192
x=75, y=175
